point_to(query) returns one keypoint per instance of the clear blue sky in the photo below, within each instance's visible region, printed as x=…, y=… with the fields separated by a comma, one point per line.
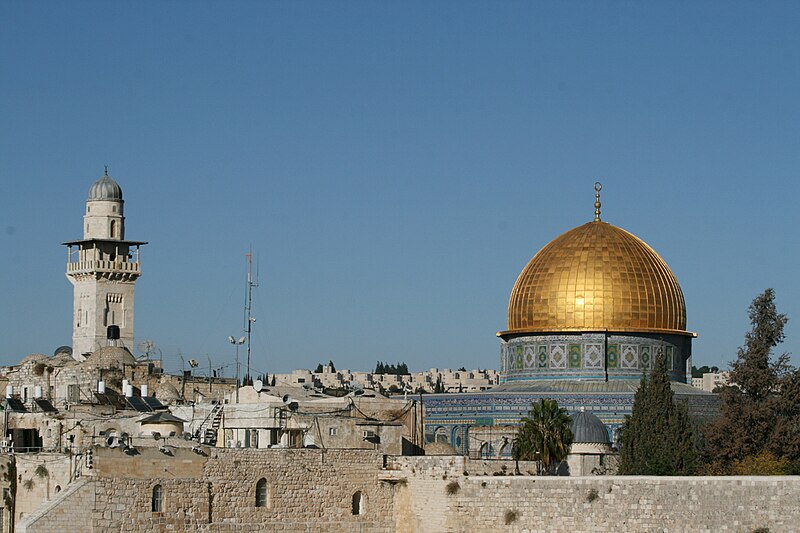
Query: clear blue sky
x=394, y=165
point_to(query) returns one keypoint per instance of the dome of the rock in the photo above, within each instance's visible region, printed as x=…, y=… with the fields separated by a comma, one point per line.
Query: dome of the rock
x=596, y=277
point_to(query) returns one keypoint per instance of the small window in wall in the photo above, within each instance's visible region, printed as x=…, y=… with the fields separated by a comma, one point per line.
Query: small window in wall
x=332, y=432
x=262, y=493
x=358, y=503
x=114, y=208
x=157, y=504
x=113, y=229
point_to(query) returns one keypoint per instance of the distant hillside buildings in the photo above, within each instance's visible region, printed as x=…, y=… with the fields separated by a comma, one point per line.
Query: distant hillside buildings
x=413, y=382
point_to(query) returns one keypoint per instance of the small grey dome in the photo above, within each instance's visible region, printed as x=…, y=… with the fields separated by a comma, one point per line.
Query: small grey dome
x=105, y=189
x=587, y=428
x=110, y=357
x=167, y=393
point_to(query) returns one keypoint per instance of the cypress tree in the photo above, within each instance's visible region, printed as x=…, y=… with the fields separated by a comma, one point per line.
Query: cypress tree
x=656, y=438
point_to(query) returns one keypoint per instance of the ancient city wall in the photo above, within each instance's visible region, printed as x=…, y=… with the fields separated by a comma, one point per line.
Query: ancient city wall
x=307, y=490
x=436, y=496
x=312, y=490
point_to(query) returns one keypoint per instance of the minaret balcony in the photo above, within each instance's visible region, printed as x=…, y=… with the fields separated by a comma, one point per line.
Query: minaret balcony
x=80, y=267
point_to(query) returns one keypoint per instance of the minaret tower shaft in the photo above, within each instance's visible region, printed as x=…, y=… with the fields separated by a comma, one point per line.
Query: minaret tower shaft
x=103, y=268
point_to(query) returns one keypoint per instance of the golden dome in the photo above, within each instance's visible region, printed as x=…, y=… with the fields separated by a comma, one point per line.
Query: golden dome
x=596, y=277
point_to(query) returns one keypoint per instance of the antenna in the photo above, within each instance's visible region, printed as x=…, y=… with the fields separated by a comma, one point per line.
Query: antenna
x=147, y=347
x=248, y=307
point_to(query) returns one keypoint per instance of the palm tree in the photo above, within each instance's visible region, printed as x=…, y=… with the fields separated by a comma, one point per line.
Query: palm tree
x=545, y=435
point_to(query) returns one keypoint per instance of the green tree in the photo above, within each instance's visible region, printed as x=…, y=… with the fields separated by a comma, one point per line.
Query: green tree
x=656, y=438
x=318, y=370
x=760, y=410
x=698, y=372
x=330, y=363
x=544, y=435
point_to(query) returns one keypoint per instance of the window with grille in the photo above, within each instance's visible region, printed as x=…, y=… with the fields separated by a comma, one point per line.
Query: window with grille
x=262, y=496
x=158, y=499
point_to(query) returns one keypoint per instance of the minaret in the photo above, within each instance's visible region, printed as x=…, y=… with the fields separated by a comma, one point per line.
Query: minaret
x=103, y=269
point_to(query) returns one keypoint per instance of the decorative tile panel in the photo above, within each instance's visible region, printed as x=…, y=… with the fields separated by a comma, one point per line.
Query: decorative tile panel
x=574, y=355
x=558, y=356
x=530, y=358
x=613, y=355
x=644, y=356
x=593, y=356
x=542, y=357
x=628, y=357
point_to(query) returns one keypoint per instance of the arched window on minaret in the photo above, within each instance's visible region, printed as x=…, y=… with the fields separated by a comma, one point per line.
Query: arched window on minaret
x=113, y=229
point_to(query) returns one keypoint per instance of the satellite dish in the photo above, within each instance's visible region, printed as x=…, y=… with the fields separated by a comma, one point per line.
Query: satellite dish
x=258, y=385
x=290, y=402
x=63, y=349
x=193, y=363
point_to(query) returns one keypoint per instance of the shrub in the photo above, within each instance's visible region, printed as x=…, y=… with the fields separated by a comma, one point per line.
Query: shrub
x=452, y=488
x=763, y=464
x=510, y=517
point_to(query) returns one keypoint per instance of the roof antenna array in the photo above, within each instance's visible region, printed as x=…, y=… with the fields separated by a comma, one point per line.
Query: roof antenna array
x=597, y=188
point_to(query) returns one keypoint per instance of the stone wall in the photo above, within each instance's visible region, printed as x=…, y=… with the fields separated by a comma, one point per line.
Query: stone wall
x=40, y=478
x=312, y=490
x=69, y=511
x=435, y=496
x=307, y=490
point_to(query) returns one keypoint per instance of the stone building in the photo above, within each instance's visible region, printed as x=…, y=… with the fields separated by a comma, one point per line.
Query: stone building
x=711, y=381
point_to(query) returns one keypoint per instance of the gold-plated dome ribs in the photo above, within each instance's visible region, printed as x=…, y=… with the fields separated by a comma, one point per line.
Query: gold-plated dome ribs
x=597, y=277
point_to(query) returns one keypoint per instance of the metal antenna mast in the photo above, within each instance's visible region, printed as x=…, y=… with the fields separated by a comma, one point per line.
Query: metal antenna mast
x=249, y=319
